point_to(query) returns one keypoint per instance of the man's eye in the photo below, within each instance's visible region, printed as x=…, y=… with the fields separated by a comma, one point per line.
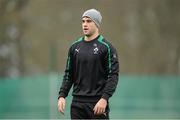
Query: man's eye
x=89, y=21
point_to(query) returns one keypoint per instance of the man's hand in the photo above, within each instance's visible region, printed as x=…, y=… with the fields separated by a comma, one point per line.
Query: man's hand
x=61, y=105
x=100, y=106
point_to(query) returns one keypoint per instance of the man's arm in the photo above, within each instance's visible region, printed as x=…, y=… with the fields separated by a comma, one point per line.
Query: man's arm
x=67, y=79
x=66, y=84
x=111, y=83
x=113, y=72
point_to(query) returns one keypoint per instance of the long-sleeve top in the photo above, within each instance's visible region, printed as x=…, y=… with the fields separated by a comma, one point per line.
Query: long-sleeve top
x=92, y=68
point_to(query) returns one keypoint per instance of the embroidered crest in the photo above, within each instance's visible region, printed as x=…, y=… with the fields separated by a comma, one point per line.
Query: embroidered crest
x=96, y=50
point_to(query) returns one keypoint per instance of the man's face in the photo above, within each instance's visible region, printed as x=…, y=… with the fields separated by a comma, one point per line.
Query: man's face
x=88, y=26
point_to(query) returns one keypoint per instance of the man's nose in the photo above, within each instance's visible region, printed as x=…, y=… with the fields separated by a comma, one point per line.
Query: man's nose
x=85, y=24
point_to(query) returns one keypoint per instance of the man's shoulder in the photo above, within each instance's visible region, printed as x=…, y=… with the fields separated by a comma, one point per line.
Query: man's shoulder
x=105, y=42
x=76, y=42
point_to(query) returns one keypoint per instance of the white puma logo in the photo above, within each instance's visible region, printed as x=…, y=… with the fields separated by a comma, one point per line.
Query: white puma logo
x=77, y=50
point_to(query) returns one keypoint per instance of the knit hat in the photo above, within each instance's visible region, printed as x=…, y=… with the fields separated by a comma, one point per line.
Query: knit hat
x=94, y=15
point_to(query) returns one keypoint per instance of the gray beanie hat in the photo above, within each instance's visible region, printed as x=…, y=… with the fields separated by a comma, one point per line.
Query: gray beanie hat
x=94, y=15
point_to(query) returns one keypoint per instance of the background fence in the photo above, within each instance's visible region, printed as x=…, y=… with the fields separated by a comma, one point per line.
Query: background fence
x=135, y=97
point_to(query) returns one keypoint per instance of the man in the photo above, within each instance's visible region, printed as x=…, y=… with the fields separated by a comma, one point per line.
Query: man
x=92, y=68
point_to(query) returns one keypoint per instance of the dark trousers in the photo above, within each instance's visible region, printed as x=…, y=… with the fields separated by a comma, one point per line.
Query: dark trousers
x=83, y=110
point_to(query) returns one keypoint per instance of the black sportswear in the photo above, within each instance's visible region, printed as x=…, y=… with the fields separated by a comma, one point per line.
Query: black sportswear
x=92, y=68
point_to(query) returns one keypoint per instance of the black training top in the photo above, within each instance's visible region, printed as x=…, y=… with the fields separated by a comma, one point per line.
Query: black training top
x=92, y=68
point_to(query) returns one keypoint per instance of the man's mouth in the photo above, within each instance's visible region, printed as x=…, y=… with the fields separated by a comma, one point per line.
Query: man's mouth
x=85, y=29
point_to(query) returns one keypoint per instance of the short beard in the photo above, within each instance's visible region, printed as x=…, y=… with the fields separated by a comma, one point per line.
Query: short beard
x=88, y=35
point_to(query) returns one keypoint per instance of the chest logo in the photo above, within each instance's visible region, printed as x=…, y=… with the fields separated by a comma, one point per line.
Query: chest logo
x=96, y=50
x=77, y=50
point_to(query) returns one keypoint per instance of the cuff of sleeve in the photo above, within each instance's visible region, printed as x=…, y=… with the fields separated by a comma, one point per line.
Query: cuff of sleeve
x=106, y=96
x=62, y=95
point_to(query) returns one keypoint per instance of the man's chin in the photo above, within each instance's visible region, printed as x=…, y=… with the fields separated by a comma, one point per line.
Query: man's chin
x=87, y=35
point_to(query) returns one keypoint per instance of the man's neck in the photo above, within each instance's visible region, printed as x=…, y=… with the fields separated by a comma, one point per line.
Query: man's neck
x=89, y=38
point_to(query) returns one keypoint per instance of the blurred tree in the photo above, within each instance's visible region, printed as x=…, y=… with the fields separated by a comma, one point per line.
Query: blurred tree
x=152, y=36
x=145, y=33
x=11, y=30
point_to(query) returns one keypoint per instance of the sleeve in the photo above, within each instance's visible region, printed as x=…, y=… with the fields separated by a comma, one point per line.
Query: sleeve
x=112, y=66
x=67, y=78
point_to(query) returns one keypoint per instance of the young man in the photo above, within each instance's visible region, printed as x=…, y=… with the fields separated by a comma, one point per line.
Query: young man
x=92, y=68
